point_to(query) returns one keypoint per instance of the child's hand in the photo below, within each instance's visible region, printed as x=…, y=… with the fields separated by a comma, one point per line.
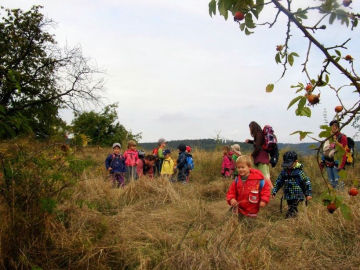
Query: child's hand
x=233, y=202
x=262, y=204
x=273, y=196
x=308, y=198
x=109, y=169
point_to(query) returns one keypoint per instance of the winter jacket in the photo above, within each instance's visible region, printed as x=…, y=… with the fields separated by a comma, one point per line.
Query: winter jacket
x=296, y=184
x=227, y=165
x=167, y=166
x=259, y=154
x=131, y=157
x=247, y=193
x=116, y=162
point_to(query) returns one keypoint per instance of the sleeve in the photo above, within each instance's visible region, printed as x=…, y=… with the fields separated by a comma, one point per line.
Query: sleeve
x=231, y=194
x=306, y=181
x=265, y=192
x=278, y=184
x=108, y=161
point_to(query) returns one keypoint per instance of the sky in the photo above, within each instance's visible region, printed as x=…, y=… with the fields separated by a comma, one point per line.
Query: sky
x=178, y=73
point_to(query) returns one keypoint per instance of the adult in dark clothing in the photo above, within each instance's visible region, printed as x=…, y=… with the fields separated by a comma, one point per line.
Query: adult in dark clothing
x=259, y=155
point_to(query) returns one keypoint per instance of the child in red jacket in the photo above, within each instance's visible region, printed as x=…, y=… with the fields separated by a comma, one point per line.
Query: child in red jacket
x=249, y=191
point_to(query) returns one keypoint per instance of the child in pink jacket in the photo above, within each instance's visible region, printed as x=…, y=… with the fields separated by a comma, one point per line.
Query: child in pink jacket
x=227, y=165
x=131, y=157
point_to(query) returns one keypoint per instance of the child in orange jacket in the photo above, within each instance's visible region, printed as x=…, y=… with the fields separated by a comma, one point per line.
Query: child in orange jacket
x=249, y=191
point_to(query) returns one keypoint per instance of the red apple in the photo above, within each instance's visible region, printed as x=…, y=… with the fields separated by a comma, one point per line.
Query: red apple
x=239, y=16
x=353, y=191
x=338, y=108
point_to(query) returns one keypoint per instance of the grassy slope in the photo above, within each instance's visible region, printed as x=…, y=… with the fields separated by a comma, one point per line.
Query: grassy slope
x=159, y=225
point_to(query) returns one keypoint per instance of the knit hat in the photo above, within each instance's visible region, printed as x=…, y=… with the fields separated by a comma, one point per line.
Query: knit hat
x=288, y=159
x=166, y=151
x=116, y=145
x=236, y=149
x=182, y=147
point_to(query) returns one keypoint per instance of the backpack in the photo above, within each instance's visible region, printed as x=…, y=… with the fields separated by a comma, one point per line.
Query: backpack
x=351, y=147
x=270, y=139
x=270, y=144
x=189, y=162
x=155, y=151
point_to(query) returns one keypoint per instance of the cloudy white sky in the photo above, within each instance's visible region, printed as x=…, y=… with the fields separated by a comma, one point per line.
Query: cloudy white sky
x=180, y=74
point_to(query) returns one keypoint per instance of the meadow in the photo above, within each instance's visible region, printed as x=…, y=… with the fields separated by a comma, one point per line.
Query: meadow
x=154, y=224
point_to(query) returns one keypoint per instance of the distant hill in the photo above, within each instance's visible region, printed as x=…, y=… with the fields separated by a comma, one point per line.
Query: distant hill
x=211, y=144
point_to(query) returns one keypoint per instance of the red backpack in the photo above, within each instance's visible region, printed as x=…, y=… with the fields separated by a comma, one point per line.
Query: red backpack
x=270, y=140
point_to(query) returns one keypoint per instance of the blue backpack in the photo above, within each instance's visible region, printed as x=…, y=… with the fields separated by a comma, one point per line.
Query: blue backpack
x=189, y=162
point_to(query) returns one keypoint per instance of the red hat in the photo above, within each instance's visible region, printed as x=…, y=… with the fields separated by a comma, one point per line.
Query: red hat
x=188, y=149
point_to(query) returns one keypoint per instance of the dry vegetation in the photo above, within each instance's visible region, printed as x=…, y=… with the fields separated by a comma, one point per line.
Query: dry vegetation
x=154, y=224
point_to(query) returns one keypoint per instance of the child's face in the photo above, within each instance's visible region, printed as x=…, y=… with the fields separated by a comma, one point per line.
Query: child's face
x=116, y=150
x=163, y=145
x=167, y=155
x=334, y=128
x=243, y=169
x=133, y=147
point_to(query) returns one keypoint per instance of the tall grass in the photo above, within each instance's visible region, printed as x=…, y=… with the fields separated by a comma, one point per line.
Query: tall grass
x=155, y=224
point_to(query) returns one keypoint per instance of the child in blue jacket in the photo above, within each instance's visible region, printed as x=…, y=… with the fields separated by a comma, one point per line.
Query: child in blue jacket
x=297, y=185
x=115, y=164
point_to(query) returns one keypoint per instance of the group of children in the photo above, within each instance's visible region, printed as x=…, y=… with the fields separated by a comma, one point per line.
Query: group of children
x=251, y=189
x=133, y=164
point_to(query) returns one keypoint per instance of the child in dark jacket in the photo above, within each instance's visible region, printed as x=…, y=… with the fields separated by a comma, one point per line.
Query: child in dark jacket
x=249, y=191
x=297, y=185
x=115, y=164
x=181, y=164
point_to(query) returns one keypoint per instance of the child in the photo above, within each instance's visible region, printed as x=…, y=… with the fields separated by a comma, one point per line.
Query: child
x=181, y=164
x=331, y=165
x=115, y=164
x=145, y=165
x=235, y=148
x=189, y=162
x=249, y=191
x=167, y=169
x=227, y=166
x=297, y=185
x=158, y=152
x=131, y=158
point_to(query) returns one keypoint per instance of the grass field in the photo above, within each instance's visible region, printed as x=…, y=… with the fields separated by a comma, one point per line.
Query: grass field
x=154, y=224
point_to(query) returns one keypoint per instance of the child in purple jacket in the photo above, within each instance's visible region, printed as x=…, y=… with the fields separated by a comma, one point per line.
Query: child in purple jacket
x=115, y=164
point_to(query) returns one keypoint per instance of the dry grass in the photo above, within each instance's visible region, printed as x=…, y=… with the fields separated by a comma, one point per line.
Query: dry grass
x=154, y=224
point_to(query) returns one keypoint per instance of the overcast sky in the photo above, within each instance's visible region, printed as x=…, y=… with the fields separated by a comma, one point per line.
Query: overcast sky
x=177, y=73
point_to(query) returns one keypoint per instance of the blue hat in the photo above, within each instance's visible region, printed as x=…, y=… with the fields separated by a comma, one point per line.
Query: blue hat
x=288, y=159
x=166, y=151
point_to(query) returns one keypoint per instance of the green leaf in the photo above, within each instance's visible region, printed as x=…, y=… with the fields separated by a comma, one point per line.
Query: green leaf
x=242, y=26
x=338, y=53
x=313, y=147
x=302, y=134
x=326, y=127
x=302, y=103
x=290, y=59
x=294, y=101
x=249, y=21
x=306, y=112
x=294, y=54
x=259, y=5
x=277, y=58
x=332, y=18
x=212, y=7
x=324, y=134
x=269, y=88
x=346, y=211
x=247, y=32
